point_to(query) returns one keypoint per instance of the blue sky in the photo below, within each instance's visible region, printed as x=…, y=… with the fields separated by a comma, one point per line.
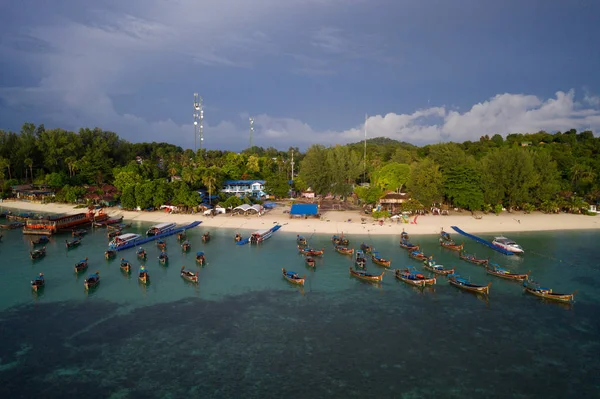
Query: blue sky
x=307, y=70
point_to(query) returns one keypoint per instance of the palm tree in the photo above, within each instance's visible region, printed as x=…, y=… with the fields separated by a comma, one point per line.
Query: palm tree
x=5, y=163
x=210, y=178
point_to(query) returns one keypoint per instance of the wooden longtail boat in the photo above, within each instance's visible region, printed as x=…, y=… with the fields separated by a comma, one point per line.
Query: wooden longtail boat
x=109, y=254
x=79, y=233
x=161, y=244
x=534, y=288
x=125, y=265
x=409, y=246
x=414, y=278
x=466, y=285
x=40, y=241
x=363, y=275
x=143, y=275
x=181, y=236
x=189, y=276
x=38, y=253
x=437, y=269
x=497, y=271
x=301, y=241
x=114, y=233
x=445, y=236
x=72, y=244
x=38, y=283
x=344, y=250
x=417, y=255
x=141, y=253
x=186, y=246
x=163, y=258
x=366, y=248
x=206, y=237
x=200, y=258
x=404, y=235
x=378, y=260
x=451, y=245
x=92, y=281
x=310, y=261
x=81, y=265
x=340, y=240
x=12, y=225
x=472, y=259
x=238, y=237
x=293, y=277
x=360, y=260
x=311, y=252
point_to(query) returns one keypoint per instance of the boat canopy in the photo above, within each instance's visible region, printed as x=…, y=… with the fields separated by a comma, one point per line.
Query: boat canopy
x=162, y=226
x=199, y=253
x=128, y=236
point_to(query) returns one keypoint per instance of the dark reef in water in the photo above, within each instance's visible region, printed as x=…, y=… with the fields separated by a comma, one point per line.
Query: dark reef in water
x=363, y=343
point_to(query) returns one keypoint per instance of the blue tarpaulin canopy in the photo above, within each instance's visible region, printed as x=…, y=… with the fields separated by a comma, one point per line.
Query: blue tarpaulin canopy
x=304, y=209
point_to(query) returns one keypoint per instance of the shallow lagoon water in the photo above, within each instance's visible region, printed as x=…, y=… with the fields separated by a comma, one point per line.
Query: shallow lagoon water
x=243, y=331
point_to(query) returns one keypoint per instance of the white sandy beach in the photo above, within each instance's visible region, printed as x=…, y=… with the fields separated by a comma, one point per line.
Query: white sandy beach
x=348, y=222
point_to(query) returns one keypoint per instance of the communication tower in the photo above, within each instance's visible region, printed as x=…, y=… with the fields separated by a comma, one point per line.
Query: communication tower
x=198, y=121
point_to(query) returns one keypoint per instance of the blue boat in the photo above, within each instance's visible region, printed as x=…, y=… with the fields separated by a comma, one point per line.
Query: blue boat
x=92, y=281
x=200, y=258
x=259, y=236
x=38, y=282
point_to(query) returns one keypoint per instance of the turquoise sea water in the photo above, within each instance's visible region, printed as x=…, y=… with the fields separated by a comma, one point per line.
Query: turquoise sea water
x=244, y=332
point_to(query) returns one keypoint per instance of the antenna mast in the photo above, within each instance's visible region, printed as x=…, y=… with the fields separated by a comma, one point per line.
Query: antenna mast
x=198, y=121
x=251, y=131
x=292, y=163
x=365, y=153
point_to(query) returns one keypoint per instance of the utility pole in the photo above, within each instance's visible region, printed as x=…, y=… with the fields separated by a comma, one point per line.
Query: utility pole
x=365, y=153
x=251, y=131
x=292, y=163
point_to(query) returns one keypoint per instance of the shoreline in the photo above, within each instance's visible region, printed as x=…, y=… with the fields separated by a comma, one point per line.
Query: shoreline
x=348, y=222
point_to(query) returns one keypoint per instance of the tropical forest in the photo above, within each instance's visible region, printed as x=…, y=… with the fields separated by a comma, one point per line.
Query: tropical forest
x=550, y=172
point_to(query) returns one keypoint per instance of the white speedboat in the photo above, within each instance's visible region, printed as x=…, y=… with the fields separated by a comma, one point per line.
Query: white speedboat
x=123, y=239
x=508, y=244
x=160, y=228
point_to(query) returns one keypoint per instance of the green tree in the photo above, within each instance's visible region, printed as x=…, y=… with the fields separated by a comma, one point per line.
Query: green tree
x=314, y=171
x=462, y=186
x=425, y=182
x=392, y=176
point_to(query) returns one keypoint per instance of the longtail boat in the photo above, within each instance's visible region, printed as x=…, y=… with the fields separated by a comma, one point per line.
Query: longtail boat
x=108, y=222
x=497, y=271
x=340, y=240
x=188, y=275
x=38, y=253
x=114, y=233
x=409, y=246
x=40, y=241
x=79, y=233
x=12, y=225
x=109, y=254
x=238, y=237
x=344, y=250
x=437, y=269
x=181, y=236
x=363, y=275
x=38, y=282
x=301, y=241
x=161, y=244
x=125, y=265
x=534, y=288
x=186, y=246
x=445, y=236
x=366, y=248
x=360, y=260
x=81, y=265
x=413, y=278
x=404, y=235
x=206, y=237
x=417, y=255
x=143, y=275
x=412, y=273
x=72, y=244
x=92, y=281
x=377, y=259
x=449, y=244
x=293, y=277
x=141, y=253
x=310, y=261
x=466, y=285
x=200, y=258
x=471, y=258
x=163, y=258
x=311, y=252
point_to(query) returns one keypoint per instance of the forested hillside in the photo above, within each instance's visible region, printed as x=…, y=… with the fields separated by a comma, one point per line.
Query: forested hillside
x=538, y=170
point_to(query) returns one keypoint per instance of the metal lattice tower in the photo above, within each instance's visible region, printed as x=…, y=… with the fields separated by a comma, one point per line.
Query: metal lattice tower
x=198, y=121
x=251, y=131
